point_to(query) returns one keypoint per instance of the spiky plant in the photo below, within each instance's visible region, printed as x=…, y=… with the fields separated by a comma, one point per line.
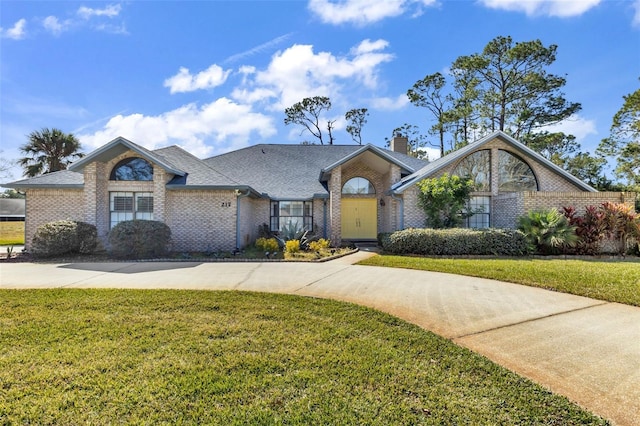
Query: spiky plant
x=548, y=231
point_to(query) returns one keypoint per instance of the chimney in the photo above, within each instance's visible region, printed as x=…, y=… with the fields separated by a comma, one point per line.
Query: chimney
x=399, y=144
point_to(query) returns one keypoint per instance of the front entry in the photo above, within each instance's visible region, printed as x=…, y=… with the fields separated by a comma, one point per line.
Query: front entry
x=359, y=218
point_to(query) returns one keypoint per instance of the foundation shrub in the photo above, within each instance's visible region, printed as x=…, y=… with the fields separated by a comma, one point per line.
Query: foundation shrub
x=456, y=241
x=319, y=245
x=267, y=244
x=292, y=246
x=548, y=231
x=139, y=239
x=610, y=227
x=590, y=229
x=64, y=236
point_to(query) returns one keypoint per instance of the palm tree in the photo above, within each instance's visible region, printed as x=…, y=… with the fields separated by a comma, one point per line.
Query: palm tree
x=548, y=231
x=49, y=150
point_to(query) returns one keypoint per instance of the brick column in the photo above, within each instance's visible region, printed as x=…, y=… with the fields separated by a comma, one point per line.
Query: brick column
x=159, y=188
x=96, y=197
x=335, y=201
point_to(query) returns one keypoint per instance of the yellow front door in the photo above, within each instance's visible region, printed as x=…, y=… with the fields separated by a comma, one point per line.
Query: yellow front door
x=359, y=218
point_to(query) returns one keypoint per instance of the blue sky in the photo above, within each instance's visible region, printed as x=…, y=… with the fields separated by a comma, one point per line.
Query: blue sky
x=212, y=76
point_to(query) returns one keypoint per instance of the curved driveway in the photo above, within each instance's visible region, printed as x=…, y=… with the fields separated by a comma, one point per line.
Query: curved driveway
x=585, y=349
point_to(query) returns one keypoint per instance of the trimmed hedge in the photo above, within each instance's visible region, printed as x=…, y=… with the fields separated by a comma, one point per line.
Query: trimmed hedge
x=139, y=239
x=457, y=241
x=64, y=236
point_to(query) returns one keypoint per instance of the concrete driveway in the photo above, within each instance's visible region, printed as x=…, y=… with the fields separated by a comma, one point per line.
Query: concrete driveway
x=585, y=349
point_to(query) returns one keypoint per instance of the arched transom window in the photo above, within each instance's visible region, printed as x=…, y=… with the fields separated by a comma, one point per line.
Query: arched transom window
x=133, y=168
x=477, y=167
x=515, y=175
x=358, y=185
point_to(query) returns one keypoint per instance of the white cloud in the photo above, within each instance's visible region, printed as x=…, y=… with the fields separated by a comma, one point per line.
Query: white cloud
x=390, y=104
x=575, y=125
x=110, y=11
x=224, y=122
x=368, y=46
x=184, y=81
x=17, y=32
x=557, y=8
x=636, y=15
x=53, y=25
x=299, y=72
x=363, y=12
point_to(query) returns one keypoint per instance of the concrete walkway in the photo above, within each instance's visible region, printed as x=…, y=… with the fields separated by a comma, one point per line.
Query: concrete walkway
x=585, y=349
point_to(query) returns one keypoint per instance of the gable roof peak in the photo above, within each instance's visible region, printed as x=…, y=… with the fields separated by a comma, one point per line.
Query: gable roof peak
x=118, y=146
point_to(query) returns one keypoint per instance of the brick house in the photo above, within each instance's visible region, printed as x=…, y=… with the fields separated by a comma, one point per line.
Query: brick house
x=342, y=192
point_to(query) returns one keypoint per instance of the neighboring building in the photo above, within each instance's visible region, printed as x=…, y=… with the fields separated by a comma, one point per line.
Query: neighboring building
x=342, y=192
x=12, y=209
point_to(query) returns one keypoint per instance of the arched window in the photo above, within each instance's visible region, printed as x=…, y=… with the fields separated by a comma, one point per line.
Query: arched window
x=476, y=166
x=514, y=174
x=358, y=185
x=133, y=168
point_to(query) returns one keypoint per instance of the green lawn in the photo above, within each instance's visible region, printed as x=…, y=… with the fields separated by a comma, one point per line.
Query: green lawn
x=614, y=281
x=189, y=357
x=11, y=233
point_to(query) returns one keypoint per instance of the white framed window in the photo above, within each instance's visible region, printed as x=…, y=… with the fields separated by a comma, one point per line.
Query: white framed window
x=130, y=205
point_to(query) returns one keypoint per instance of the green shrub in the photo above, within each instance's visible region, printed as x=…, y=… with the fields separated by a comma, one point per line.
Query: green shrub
x=292, y=246
x=267, y=244
x=139, y=239
x=87, y=237
x=457, y=241
x=62, y=237
x=548, y=231
x=444, y=200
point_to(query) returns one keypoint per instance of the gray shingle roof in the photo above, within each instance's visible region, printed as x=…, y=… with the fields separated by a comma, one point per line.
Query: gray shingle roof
x=198, y=173
x=290, y=171
x=60, y=179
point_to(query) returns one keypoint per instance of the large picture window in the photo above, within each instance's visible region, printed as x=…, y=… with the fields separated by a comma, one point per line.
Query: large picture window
x=130, y=205
x=134, y=168
x=515, y=174
x=477, y=167
x=291, y=216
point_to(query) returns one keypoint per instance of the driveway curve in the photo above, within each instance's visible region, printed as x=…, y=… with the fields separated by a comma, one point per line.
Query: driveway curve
x=585, y=349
